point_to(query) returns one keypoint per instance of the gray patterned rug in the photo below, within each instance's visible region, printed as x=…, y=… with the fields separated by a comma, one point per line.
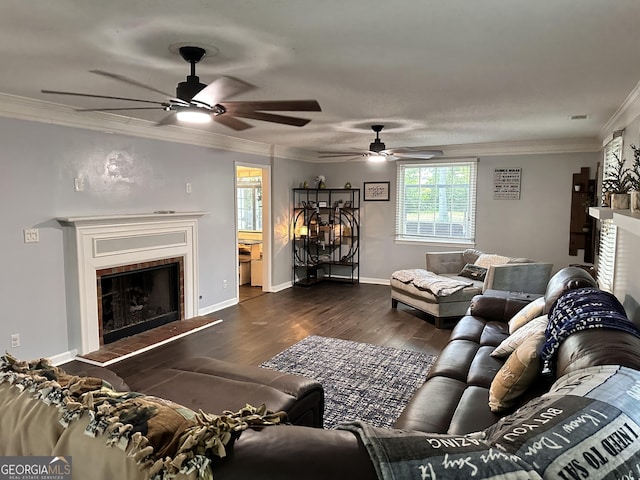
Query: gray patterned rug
x=361, y=381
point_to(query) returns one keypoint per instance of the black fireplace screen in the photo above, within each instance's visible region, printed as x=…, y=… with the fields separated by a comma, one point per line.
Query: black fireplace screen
x=139, y=300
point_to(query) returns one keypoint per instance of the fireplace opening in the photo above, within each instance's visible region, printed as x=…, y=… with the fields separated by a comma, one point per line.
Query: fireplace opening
x=137, y=300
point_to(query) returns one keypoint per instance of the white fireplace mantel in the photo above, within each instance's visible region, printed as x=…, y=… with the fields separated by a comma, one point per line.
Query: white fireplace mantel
x=105, y=241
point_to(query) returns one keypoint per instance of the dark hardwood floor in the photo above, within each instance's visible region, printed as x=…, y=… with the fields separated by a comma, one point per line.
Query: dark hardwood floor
x=256, y=329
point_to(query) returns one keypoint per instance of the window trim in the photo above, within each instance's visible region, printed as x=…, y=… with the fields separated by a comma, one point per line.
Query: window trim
x=404, y=239
x=606, y=266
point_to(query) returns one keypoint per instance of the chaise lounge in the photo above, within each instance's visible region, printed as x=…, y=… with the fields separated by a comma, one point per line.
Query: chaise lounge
x=469, y=273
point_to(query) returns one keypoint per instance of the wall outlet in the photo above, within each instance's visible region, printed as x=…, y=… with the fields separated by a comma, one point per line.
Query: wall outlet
x=224, y=284
x=15, y=340
x=187, y=187
x=31, y=235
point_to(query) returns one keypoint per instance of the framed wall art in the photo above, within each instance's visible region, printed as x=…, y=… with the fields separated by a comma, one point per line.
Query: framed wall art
x=376, y=191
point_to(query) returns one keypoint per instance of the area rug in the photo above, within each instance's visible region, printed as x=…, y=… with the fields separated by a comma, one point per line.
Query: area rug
x=361, y=381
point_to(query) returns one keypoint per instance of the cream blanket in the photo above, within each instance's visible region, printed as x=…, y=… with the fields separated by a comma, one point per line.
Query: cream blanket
x=425, y=280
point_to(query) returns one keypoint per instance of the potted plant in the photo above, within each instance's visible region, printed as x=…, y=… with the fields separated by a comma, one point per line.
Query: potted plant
x=617, y=183
x=635, y=181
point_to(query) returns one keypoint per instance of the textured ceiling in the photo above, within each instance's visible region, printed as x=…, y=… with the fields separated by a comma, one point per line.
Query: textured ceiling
x=434, y=72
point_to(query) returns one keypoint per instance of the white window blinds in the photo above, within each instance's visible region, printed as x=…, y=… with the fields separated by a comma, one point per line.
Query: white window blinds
x=436, y=201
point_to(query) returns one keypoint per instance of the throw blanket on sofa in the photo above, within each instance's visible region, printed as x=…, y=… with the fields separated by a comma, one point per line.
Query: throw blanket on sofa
x=582, y=309
x=587, y=426
x=164, y=438
x=425, y=280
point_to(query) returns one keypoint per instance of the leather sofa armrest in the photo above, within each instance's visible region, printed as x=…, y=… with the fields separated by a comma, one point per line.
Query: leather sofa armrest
x=445, y=262
x=497, y=306
x=518, y=277
x=284, y=452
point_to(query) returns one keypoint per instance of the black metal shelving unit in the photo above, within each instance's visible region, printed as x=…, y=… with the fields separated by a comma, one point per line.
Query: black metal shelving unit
x=326, y=234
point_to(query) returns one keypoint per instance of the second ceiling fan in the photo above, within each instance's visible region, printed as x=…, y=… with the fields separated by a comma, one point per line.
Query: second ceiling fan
x=379, y=152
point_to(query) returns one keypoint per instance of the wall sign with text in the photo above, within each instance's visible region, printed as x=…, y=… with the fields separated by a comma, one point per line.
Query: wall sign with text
x=506, y=183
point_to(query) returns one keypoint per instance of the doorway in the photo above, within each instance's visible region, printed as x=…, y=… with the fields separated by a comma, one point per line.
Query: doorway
x=252, y=229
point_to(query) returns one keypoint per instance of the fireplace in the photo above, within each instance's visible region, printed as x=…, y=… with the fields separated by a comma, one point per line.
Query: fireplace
x=112, y=244
x=139, y=297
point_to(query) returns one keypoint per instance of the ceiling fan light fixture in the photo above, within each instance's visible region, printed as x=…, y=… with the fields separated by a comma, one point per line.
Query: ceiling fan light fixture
x=377, y=158
x=193, y=116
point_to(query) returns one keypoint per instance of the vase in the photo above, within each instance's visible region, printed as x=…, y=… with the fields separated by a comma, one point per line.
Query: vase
x=634, y=202
x=322, y=185
x=620, y=201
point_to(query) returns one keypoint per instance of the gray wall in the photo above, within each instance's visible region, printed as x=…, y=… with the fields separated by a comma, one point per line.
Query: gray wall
x=39, y=163
x=536, y=226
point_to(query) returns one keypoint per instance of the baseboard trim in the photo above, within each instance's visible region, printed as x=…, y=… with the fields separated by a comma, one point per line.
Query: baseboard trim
x=282, y=286
x=63, y=357
x=218, y=306
x=375, y=281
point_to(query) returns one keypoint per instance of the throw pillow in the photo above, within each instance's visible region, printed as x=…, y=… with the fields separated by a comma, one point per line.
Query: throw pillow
x=488, y=259
x=474, y=272
x=528, y=313
x=517, y=374
x=509, y=344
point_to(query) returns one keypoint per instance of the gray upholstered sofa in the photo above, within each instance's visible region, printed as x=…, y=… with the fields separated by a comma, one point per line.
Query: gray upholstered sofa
x=502, y=273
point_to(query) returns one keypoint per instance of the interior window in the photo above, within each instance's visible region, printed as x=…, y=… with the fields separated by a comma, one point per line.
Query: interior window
x=249, y=203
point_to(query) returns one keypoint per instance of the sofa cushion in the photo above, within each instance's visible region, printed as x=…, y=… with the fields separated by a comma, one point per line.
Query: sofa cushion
x=470, y=255
x=535, y=326
x=488, y=259
x=465, y=294
x=517, y=374
x=568, y=278
x=213, y=385
x=528, y=313
x=474, y=272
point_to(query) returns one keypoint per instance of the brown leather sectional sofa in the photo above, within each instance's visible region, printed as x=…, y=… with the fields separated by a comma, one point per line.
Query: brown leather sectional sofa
x=453, y=400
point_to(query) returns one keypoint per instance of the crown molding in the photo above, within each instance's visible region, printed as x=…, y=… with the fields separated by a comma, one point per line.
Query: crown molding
x=523, y=147
x=45, y=112
x=22, y=108
x=624, y=115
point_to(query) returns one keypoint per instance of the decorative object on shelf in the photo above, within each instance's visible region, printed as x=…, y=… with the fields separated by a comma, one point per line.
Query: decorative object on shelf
x=347, y=185
x=376, y=191
x=321, y=182
x=634, y=200
x=305, y=184
x=617, y=183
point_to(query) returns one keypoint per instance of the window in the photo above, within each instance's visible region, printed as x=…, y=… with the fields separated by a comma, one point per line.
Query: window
x=608, y=231
x=436, y=201
x=250, y=203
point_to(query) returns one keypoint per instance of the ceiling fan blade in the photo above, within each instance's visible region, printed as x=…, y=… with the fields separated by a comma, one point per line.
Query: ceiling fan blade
x=274, y=105
x=130, y=81
x=271, y=117
x=220, y=89
x=75, y=94
x=340, y=155
x=231, y=122
x=116, y=109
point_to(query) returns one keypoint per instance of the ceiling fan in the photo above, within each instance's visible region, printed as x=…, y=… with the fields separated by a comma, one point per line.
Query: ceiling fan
x=199, y=103
x=378, y=152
